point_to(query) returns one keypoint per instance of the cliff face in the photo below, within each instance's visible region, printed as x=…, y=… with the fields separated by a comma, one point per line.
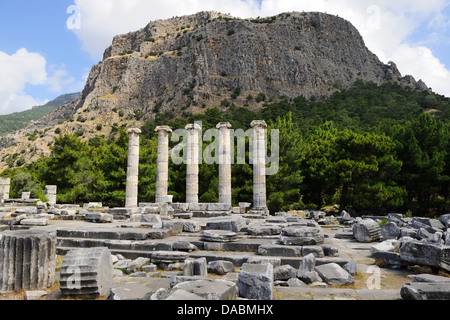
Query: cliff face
x=195, y=61
x=191, y=63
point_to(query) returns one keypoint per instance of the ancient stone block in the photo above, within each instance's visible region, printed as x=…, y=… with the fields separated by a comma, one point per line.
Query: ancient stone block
x=367, y=231
x=86, y=272
x=334, y=274
x=256, y=281
x=27, y=260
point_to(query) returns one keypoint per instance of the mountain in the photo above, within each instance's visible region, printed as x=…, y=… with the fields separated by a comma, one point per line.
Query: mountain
x=186, y=65
x=19, y=120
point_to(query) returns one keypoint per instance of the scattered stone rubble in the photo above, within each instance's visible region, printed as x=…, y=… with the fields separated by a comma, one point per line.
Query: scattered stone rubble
x=165, y=252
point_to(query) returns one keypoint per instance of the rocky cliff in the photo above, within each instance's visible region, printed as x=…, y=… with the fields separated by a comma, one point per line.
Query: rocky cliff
x=191, y=63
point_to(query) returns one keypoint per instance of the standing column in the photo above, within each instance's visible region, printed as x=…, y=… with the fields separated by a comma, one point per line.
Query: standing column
x=131, y=196
x=224, y=162
x=50, y=193
x=192, y=163
x=4, y=189
x=162, y=164
x=259, y=167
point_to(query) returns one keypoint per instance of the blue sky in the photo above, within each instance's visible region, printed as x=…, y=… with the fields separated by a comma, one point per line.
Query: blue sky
x=41, y=58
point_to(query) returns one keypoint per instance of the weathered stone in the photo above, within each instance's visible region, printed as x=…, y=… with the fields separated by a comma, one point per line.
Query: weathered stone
x=183, y=295
x=330, y=251
x=434, y=223
x=184, y=246
x=174, y=280
x=367, y=231
x=34, y=222
x=169, y=256
x=391, y=259
x=200, y=267
x=35, y=295
x=279, y=250
x=263, y=260
x=218, y=236
x=351, y=267
x=426, y=253
x=284, y=272
x=86, y=272
x=425, y=291
x=220, y=267
x=256, y=281
x=191, y=226
x=334, y=274
x=234, y=223
x=175, y=226
x=264, y=230
x=390, y=230
x=99, y=217
x=428, y=278
x=130, y=291
x=50, y=193
x=388, y=245
x=306, y=271
x=445, y=220
x=294, y=282
x=315, y=250
x=27, y=260
x=151, y=218
x=4, y=189
x=188, y=267
x=136, y=264
x=301, y=236
x=210, y=289
x=408, y=232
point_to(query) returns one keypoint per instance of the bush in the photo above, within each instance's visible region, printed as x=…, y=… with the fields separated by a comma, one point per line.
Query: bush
x=260, y=97
x=225, y=103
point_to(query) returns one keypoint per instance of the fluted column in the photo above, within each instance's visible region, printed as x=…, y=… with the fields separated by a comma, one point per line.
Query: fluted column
x=27, y=260
x=162, y=163
x=131, y=196
x=224, y=162
x=259, y=167
x=192, y=163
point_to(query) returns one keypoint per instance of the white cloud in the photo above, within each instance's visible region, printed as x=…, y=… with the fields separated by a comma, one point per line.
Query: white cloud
x=17, y=71
x=422, y=64
x=385, y=25
x=23, y=69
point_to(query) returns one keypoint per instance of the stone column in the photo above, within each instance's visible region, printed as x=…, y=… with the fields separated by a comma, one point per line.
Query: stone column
x=4, y=189
x=259, y=167
x=224, y=162
x=162, y=164
x=50, y=193
x=131, y=197
x=192, y=163
x=27, y=260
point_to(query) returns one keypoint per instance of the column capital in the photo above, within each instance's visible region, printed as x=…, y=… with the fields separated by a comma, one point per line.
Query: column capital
x=163, y=128
x=194, y=126
x=134, y=130
x=224, y=125
x=258, y=123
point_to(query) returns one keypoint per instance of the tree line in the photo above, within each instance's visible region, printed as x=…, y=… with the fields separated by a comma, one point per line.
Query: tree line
x=369, y=149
